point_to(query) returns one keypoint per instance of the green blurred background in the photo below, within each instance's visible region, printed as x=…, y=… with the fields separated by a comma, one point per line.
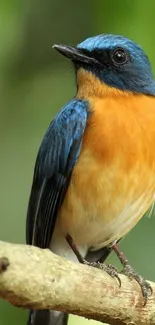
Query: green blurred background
x=34, y=83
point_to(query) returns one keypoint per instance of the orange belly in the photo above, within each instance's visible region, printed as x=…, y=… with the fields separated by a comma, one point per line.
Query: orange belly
x=113, y=182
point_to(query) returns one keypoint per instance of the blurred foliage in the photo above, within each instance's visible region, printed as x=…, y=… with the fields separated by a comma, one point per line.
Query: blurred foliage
x=32, y=77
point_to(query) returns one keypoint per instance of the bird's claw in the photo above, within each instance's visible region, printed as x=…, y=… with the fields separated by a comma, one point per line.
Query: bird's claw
x=110, y=269
x=145, y=286
x=113, y=272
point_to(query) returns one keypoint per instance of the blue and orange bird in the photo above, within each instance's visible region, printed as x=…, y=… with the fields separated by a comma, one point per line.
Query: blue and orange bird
x=94, y=176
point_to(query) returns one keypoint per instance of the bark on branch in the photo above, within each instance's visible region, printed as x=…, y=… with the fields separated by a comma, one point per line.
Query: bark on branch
x=34, y=278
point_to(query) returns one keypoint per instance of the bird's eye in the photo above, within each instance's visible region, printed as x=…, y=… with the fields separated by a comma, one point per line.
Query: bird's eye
x=119, y=56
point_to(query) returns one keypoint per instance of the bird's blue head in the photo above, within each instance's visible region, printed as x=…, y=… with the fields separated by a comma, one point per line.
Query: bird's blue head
x=115, y=61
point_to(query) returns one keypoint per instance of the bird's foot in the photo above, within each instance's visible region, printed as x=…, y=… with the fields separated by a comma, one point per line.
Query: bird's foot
x=145, y=286
x=110, y=269
x=132, y=274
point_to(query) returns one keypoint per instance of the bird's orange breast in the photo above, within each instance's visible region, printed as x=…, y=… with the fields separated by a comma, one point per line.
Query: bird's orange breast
x=113, y=182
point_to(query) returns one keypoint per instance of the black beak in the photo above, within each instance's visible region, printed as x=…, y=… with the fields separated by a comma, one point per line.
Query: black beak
x=75, y=54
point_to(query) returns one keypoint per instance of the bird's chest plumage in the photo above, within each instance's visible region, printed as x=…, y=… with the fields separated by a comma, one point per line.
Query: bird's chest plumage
x=113, y=182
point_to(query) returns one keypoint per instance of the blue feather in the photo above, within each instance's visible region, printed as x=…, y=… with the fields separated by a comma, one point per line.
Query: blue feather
x=56, y=159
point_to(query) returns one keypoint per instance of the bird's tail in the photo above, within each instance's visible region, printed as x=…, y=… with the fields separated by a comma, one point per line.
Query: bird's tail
x=47, y=317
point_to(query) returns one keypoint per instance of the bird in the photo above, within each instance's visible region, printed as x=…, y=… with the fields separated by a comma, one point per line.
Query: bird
x=94, y=175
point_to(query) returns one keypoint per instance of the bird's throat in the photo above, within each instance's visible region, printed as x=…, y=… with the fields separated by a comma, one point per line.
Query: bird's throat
x=90, y=86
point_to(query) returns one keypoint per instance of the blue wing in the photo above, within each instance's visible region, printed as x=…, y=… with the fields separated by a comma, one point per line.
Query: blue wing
x=56, y=159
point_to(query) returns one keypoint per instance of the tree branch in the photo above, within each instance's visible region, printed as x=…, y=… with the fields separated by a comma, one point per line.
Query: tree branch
x=34, y=278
